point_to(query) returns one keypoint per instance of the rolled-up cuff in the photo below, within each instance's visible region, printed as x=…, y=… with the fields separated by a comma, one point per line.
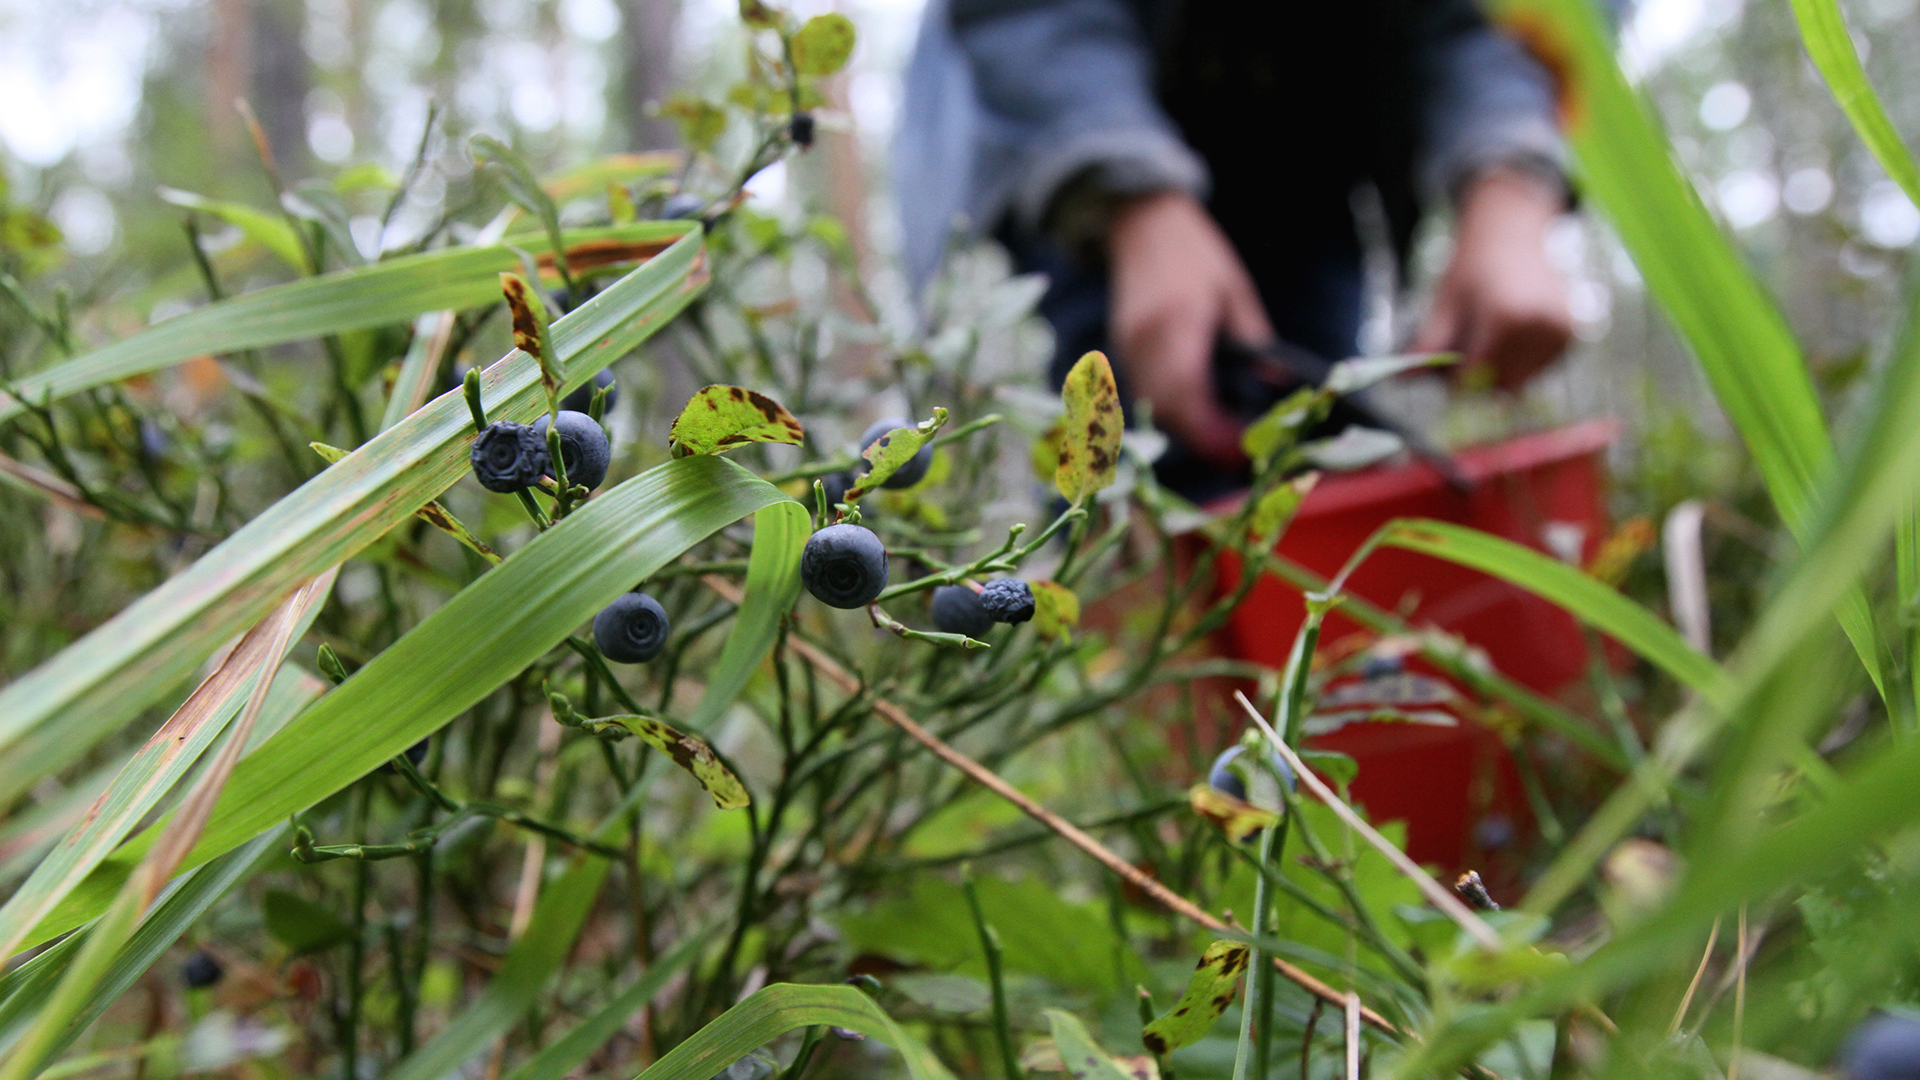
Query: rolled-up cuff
x=1068, y=189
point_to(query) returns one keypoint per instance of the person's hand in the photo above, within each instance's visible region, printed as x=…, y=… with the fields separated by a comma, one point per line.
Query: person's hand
x=1176, y=283
x=1501, y=303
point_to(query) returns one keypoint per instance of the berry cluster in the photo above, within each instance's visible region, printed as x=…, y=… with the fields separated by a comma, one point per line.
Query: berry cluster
x=509, y=457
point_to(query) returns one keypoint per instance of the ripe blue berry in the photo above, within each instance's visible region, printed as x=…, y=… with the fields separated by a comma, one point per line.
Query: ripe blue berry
x=1886, y=1046
x=684, y=205
x=509, y=457
x=1225, y=780
x=201, y=970
x=957, y=610
x=916, y=467
x=583, y=447
x=1007, y=600
x=582, y=397
x=632, y=630
x=801, y=129
x=844, y=566
x=837, y=485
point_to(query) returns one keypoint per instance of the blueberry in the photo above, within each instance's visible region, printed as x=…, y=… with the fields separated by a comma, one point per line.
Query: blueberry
x=837, y=485
x=1379, y=667
x=957, y=610
x=416, y=754
x=801, y=129
x=684, y=205
x=1007, y=600
x=1886, y=1046
x=751, y=1067
x=508, y=457
x=583, y=447
x=844, y=566
x=1225, y=780
x=582, y=397
x=201, y=970
x=632, y=630
x=916, y=467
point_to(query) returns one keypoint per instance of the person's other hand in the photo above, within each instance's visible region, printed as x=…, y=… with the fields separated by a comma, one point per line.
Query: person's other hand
x=1501, y=303
x=1176, y=284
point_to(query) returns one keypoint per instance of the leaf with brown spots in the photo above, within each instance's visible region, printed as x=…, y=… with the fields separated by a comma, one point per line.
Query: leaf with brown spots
x=1090, y=433
x=530, y=330
x=1209, y=991
x=690, y=754
x=719, y=418
x=1083, y=1058
x=894, y=449
x=1237, y=819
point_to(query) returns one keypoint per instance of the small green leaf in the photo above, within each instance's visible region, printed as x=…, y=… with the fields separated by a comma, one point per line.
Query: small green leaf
x=270, y=230
x=522, y=187
x=364, y=176
x=1237, y=819
x=1282, y=425
x=1353, y=449
x=331, y=453
x=1332, y=764
x=719, y=418
x=691, y=754
x=1360, y=372
x=823, y=45
x=301, y=924
x=1209, y=991
x=700, y=122
x=1056, y=610
x=1275, y=510
x=1083, y=1057
x=892, y=450
x=756, y=13
x=1090, y=439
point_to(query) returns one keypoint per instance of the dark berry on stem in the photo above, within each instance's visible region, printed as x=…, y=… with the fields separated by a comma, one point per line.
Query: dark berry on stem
x=582, y=396
x=957, y=610
x=1007, y=600
x=802, y=129
x=201, y=970
x=916, y=467
x=844, y=566
x=583, y=447
x=509, y=457
x=836, y=485
x=632, y=630
x=684, y=205
x=1886, y=1046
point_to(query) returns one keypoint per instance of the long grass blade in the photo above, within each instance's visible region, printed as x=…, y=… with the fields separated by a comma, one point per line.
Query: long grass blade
x=773, y=581
x=775, y=1010
x=57, y=711
x=481, y=638
x=559, y=1058
x=1831, y=47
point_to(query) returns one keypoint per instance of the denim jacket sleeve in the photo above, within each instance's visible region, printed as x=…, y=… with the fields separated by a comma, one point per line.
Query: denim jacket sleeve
x=1486, y=102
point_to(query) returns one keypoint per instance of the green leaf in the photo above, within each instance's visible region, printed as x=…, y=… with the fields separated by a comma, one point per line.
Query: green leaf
x=300, y=924
x=561, y=1057
x=1359, y=372
x=1583, y=597
x=775, y=1010
x=700, y=122
x=388, y=292
x=268, y=229
x=1831, y=47
x=887, y=453
x=719, y=418
x=1210, y=989
x=691, y=754
x=485, y=635
x=413, y=384
x=522, y=979
x=1081, y=1055
x=1275, y=509
x=55, y=712
x=522, y=186
x=1742, y=340
x=1056, y=610
x=364, y=176
x=1282, y=425
x=822, y=46
x=780, y=534
x=1090, y=433
x=1332, y=764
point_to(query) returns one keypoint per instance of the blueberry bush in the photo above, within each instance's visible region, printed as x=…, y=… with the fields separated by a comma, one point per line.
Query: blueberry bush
x=733, y=679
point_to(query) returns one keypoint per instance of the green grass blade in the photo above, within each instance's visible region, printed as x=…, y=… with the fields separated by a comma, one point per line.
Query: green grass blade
x=559, y=1058
x=775, y=1010
x=773, y=581
x=1831, y=47
x=1742, y=340
x=55, y=712
x=414, y=383
x=1583, y=597
x=25, y=988
x=388, y=292
x=154, y=771
x=517, y=986
x=482, y=637
x=270, y=230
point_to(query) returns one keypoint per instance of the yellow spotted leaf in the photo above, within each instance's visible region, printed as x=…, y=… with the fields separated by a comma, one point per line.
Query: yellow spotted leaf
x=1056, y=610
x=691, y=754
x=1090, y=436
x=1239, y=820
x=1209, y=991
x=719, y=418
